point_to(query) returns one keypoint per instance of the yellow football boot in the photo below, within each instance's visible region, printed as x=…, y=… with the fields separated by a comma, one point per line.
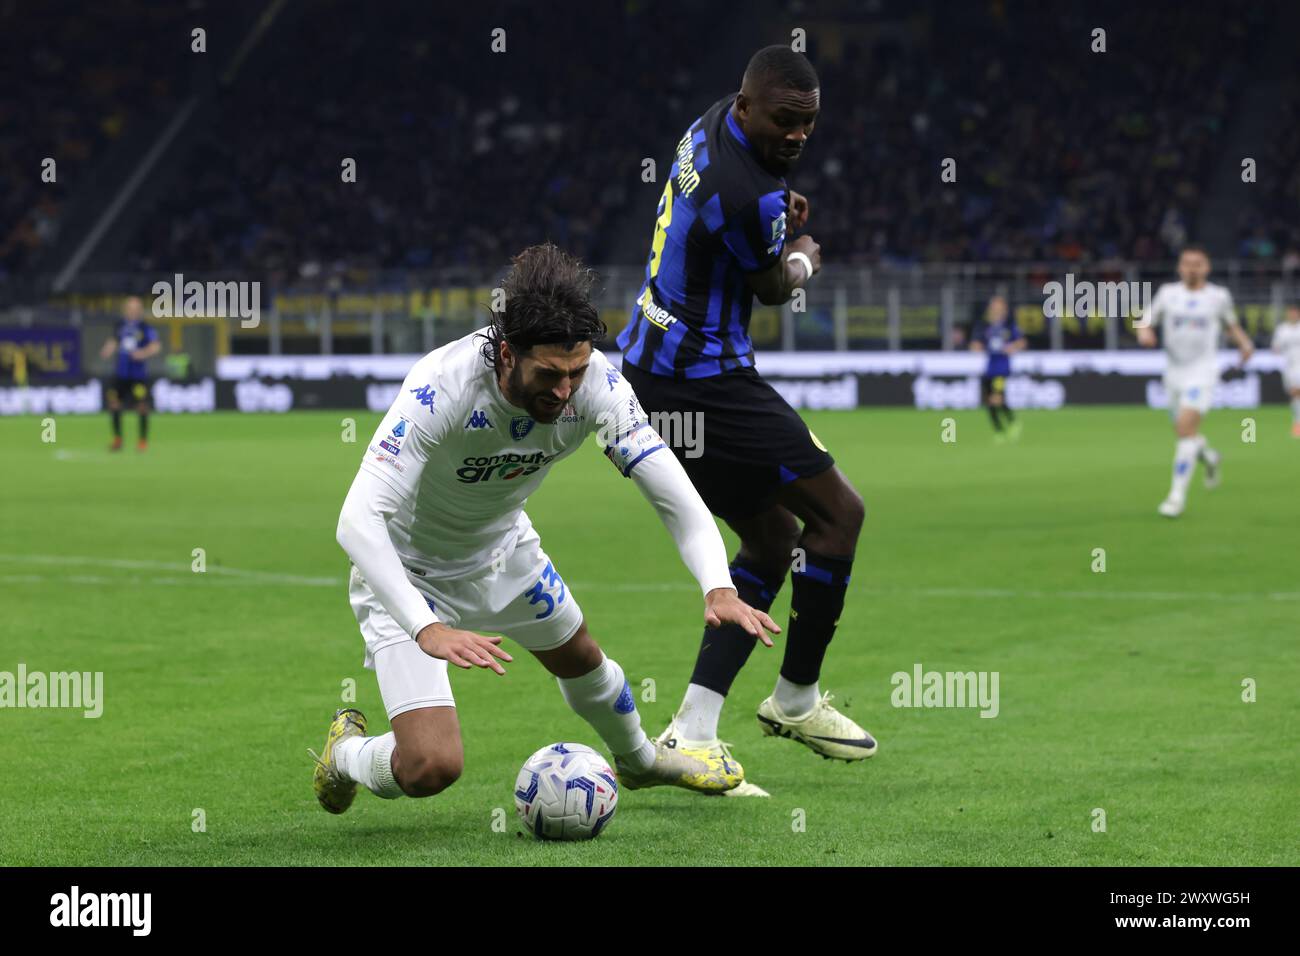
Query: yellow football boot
x=689, y=768
x=334, y=791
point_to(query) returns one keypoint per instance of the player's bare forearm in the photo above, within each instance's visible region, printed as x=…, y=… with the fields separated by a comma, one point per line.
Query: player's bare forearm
x=799, y=262
x=1244, y=345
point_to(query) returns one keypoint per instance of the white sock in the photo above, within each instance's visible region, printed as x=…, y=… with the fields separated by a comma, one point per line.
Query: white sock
x=795, y=700
x=1185, y=453
x=369, y=761
x=1295, y=409
x=697, y=718
x=1203, y=450
x=604, y=700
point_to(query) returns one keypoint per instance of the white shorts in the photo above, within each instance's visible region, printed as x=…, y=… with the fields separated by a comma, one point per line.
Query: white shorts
x=1291, y=378
x=1194, y=395
x=523, y=598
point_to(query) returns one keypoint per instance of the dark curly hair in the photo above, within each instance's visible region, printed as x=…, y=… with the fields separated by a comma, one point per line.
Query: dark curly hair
x=548, y=302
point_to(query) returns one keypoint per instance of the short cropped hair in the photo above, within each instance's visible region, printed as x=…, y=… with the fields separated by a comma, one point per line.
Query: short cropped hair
x=778, y=67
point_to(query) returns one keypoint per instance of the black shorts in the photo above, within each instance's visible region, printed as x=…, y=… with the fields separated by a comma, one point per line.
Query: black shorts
x=743, y=440
x=992, y=383
x=130, y=391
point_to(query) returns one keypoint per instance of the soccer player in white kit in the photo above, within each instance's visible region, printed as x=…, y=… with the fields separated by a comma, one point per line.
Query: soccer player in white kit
x=1286, y=343
x=441, y=547
x=1190, y=313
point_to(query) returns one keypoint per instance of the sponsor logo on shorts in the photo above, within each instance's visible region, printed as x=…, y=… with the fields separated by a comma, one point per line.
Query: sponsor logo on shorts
x=475, y=469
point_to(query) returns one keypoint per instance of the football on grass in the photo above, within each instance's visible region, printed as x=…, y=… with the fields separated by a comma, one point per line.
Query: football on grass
x=566, y=792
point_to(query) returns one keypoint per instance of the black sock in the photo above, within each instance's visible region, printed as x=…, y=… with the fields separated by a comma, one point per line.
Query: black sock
x=1008, y=414
x=725, y=649
x=117, y=423
x=815, y=606
x=993, y=417
x=144, y=425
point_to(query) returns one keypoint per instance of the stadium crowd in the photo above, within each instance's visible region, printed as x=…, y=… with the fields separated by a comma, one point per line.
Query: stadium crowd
x=1061, y=153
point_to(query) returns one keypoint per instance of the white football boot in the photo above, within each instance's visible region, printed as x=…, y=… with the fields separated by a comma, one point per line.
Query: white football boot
x=673, y=740
x=823, y=730
x=1172, y=506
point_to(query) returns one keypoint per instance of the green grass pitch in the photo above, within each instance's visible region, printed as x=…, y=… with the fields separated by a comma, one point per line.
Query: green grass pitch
x=1119, y=690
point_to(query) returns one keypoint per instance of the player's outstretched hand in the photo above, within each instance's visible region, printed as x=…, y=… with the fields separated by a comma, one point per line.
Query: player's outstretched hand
x=724, y=606
x=797, y=210
x=1146, y=336
x=462, y=648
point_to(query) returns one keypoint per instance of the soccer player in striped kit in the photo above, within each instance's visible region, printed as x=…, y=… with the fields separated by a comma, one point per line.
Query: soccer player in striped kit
x=722, y=239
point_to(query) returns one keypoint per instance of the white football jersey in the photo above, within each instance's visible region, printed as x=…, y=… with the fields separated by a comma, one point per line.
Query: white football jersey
x=1286, y=342
x=1190, y=322
x=465, y=460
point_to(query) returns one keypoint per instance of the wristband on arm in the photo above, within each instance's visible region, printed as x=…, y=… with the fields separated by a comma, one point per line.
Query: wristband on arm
x=803, y=260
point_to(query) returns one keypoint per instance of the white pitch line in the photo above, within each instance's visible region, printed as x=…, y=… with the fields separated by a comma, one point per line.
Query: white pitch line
x=116, y=582
x=1004, y=593
x=273, y=577
x=265, y=577
x=1000, y=593
x=63, y=454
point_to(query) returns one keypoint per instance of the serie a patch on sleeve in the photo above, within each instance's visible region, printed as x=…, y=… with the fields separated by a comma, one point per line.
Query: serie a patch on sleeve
x=632, y=447
x=396, y=435
x=386, y=450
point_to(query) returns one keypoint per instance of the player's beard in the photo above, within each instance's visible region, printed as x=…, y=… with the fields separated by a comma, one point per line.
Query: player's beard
x=518, y=394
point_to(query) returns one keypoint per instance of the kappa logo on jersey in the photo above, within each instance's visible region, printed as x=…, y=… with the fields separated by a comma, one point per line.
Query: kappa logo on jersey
x=611, y=376
x=425, y=394
x=502, y=467
x=478, y=419
x=520, y=427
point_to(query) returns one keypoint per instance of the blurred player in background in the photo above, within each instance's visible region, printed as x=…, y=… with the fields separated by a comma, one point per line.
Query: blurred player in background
x=719, y=242
x=135, y=341
x=1189, y=314
x=441, y=546
x=1286, y=343
x=999, y=337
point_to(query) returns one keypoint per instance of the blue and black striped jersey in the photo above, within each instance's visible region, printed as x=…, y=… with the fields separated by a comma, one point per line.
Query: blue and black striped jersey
x=132, y=334
x=721, y=216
